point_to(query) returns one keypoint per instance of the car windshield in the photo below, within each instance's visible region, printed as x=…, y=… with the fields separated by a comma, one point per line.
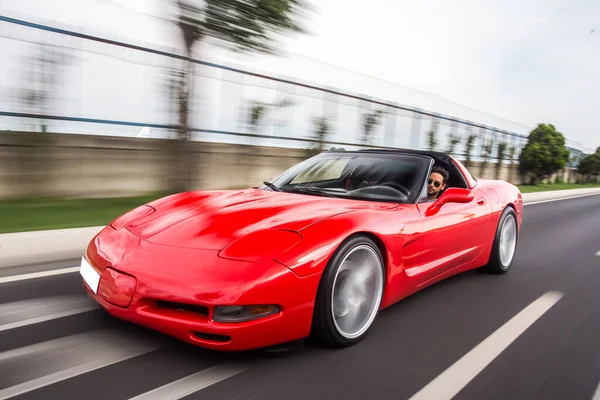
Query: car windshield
x=364, y=176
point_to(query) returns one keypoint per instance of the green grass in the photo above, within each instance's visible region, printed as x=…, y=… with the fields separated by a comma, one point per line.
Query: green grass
x=41, y=214
x=556, y=186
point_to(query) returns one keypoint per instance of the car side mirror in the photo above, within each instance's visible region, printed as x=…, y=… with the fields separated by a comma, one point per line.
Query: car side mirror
x=456, y=195
x=451, y=195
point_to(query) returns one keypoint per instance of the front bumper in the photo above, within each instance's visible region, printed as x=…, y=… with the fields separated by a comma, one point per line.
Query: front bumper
x=178, y=299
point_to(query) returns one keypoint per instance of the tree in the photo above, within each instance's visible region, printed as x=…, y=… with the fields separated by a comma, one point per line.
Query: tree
x=488, y=147
x=256, y=112
x=469, y=149
x=259, y=110
x=589, y=166
x=321, y=129
x=432, y=141
x=370, y=121
x=501, y=154
x=511, y=156
x=453, y=141
x=243, y=25
x=544, y=154
x=43, y=71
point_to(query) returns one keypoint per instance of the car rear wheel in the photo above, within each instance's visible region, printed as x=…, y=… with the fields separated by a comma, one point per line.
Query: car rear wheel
x=349, y=294
x=505, y=243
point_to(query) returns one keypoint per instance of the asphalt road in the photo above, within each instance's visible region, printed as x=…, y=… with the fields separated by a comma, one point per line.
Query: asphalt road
x=54, y=343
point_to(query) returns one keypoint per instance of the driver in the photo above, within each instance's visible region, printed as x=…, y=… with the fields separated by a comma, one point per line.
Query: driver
x=437, y=182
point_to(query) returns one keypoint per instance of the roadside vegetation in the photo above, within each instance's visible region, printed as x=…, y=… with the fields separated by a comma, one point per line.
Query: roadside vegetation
x=42, y=214
x=544, y=187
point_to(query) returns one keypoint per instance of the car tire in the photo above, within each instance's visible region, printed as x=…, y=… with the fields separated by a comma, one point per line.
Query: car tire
x=505, y=243
x=349, y=294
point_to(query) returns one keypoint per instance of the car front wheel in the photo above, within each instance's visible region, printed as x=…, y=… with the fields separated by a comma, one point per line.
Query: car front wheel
x=349, y=294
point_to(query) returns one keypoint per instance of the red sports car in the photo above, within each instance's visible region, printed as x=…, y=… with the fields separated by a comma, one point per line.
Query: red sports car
x=316, y=252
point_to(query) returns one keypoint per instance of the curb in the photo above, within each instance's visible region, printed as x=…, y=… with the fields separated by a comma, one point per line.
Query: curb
x=558, y=194
x=26, y=249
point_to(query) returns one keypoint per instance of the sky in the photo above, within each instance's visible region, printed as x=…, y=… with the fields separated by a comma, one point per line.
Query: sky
x=524, y=62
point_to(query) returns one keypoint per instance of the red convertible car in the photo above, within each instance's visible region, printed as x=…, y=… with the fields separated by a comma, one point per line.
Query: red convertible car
x=316, y=252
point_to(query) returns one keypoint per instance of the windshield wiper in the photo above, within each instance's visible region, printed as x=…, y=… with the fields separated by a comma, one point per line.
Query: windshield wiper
x=272, y=186
x=311, y=190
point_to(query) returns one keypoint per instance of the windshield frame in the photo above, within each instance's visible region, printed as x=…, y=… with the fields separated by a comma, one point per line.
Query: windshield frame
x=424, y=165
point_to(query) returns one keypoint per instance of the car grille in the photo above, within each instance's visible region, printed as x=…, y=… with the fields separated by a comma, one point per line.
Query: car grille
x=194, y=308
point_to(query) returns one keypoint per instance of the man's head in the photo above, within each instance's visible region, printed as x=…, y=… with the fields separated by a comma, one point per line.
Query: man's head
x=437, y=182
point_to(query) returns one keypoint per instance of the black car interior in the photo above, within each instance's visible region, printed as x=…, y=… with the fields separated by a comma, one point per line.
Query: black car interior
x=456, y=179
x=442, y=160
x=362, y=175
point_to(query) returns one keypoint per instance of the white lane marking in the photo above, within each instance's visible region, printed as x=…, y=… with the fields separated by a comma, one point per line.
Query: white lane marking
x=28, y=312
x=192, y=383
x=598, y=254
x=459, y=374
x=34, y=275
x=39, y=365
x=560, y=198
x=597, y=393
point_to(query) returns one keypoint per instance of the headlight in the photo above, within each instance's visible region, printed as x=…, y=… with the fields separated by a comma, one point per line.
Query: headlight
x=243, y=313
x=261, y=246
x=117, y=288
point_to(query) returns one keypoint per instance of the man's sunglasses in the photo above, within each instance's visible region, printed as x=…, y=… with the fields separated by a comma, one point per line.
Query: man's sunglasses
x=435, y=183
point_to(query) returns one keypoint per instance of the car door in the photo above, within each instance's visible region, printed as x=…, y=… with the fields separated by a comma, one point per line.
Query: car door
x=452, y=236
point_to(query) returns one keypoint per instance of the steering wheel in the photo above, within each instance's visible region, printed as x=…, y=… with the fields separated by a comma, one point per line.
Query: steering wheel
x=398, y=187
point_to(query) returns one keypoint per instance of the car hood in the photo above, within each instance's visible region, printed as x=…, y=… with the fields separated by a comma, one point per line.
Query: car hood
x=212, y=219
